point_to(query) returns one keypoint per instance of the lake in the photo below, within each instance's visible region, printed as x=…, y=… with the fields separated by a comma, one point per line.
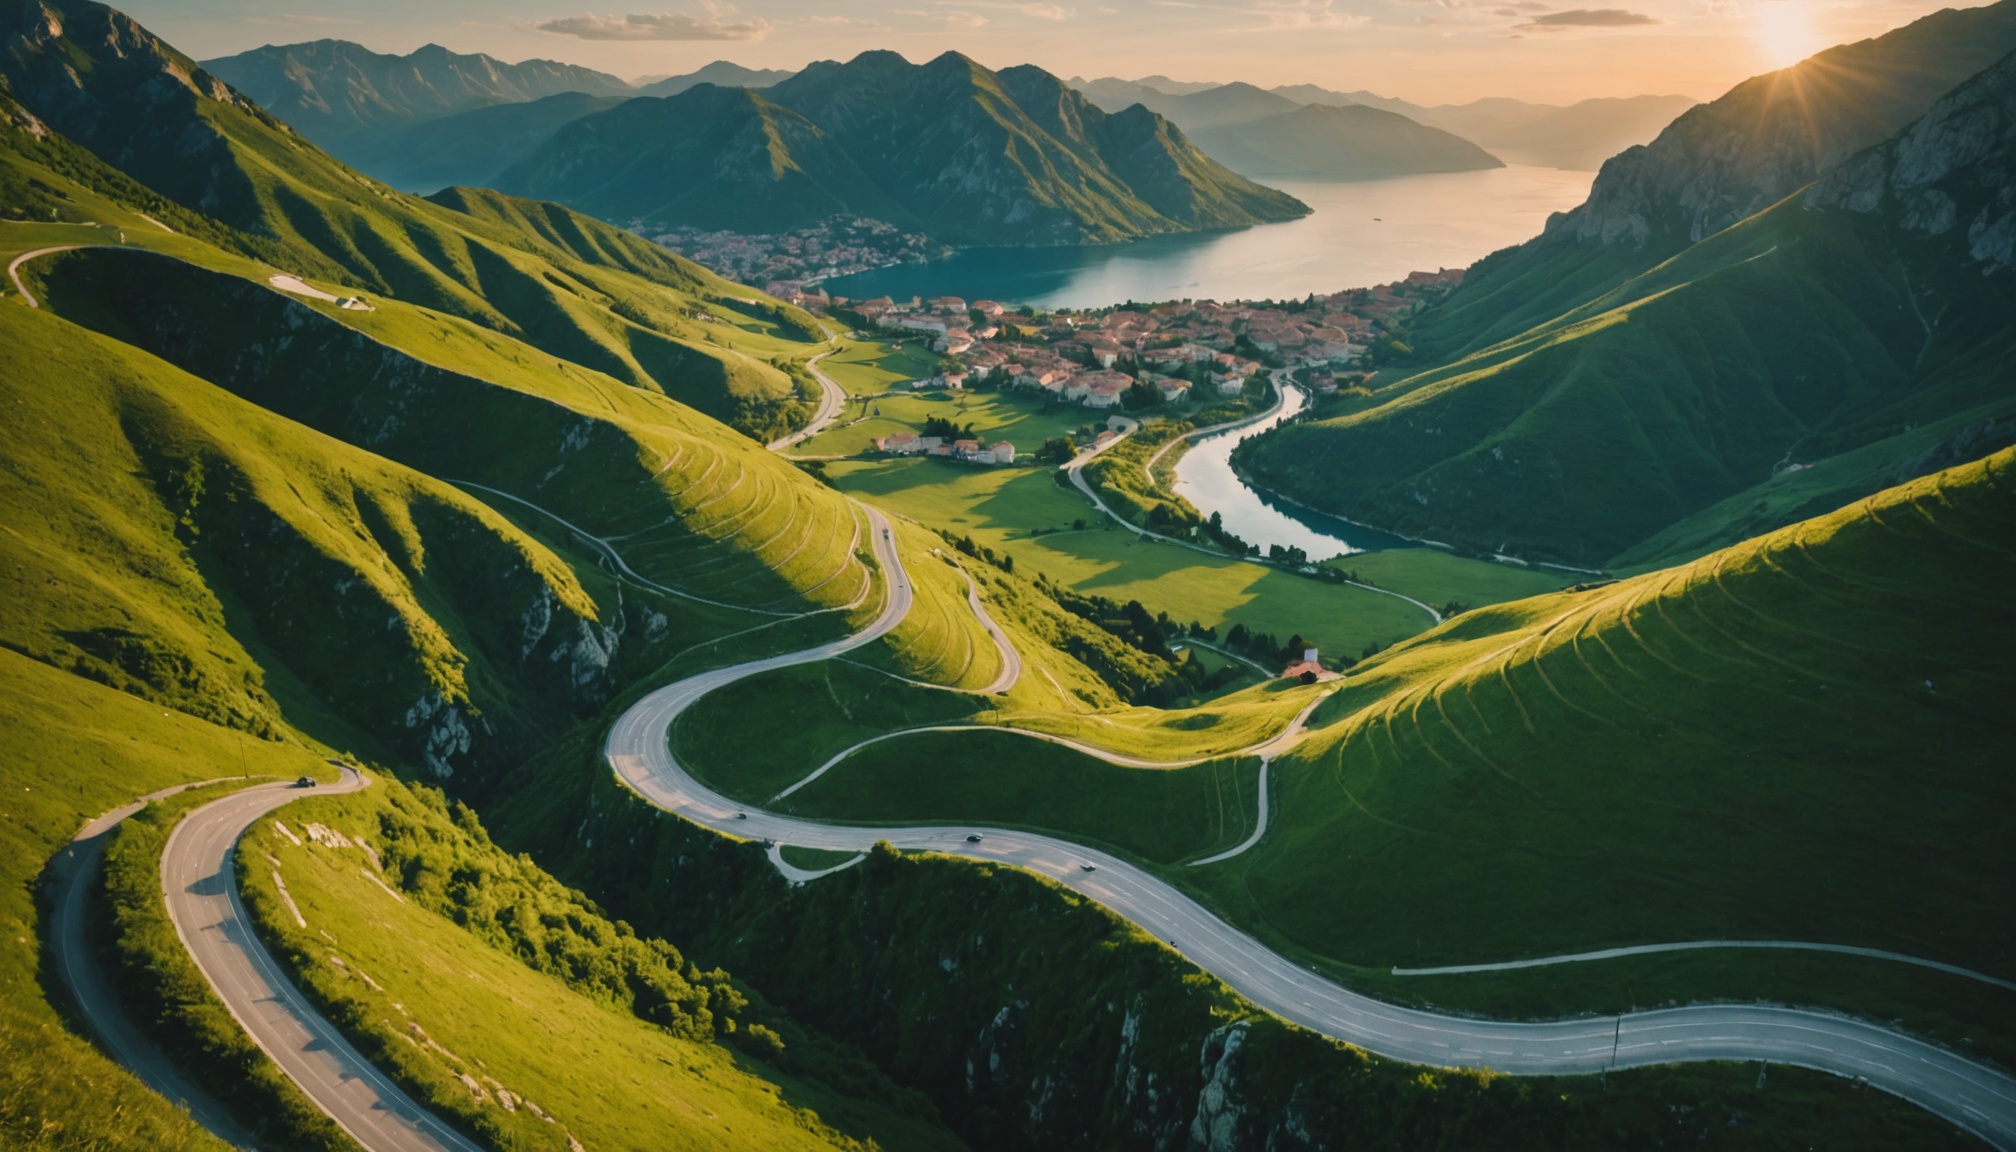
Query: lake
x=1205, y=478
x=1362, y=233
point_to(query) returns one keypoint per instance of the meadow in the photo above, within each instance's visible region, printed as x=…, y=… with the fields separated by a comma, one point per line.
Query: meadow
x=998, y=507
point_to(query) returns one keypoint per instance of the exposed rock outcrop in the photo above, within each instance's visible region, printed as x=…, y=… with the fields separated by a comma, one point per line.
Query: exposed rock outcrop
x=1774, y=134
x=1954, y=168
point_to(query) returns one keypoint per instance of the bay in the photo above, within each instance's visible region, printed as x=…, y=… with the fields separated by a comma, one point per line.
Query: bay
x=1361, y=233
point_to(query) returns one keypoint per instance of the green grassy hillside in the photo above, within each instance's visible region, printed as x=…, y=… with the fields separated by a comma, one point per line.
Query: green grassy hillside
x=1651, y=359
x=1794, y=337
x=1717, y=164
x=71, y=749
x=570, y=286
x=1802, y=737
x=910, y=957
x=178, y=543
x=618, y=1039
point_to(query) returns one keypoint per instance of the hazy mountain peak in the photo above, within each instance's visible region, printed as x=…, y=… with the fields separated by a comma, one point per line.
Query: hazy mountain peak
x=331, y=90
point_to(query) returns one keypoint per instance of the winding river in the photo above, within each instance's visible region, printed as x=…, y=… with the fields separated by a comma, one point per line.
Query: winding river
x=1205, y=478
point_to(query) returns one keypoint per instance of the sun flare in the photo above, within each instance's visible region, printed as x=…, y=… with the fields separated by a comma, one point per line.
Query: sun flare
x=1784, y=32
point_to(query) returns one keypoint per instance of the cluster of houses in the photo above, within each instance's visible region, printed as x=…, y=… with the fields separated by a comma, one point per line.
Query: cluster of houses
x=964, y=451
x=1093, y=357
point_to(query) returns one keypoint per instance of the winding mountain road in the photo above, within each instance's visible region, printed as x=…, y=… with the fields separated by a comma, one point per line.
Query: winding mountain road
x=1969, y=1094
x=1011, y=660
x=199, y=876
x=832, y=401
x=69, y=881
x=14, y=269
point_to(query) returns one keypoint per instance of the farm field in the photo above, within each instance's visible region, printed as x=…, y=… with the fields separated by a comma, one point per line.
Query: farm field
x=993, y=415
x=872, y=367
x=998, y=507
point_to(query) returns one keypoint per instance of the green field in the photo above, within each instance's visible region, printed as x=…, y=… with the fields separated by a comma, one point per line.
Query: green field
x=1435, y=577
x=872, y=367
x=994, y=415
x=998, y=507
x=1162, y=815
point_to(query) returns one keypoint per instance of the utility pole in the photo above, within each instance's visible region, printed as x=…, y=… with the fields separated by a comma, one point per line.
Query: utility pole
x=1615, y=1038
x=244, y=765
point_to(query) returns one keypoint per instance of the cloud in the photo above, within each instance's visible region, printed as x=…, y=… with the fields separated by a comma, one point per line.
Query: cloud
x=664, y=26
x=1586, y=18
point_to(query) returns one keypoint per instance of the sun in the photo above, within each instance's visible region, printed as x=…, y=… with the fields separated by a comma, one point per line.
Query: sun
x=1784, y=33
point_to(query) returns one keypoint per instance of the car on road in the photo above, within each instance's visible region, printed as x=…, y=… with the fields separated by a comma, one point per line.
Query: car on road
x=973, y=839
x=1089, y=867
x=306, y=782
x=741, y=815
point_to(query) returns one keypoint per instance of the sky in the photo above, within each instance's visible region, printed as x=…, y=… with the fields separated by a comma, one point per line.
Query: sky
x=1426, y=51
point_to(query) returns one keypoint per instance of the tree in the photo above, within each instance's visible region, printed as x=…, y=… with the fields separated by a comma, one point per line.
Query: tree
x=945, y=429
x=1057, y=450
x=1140, y=395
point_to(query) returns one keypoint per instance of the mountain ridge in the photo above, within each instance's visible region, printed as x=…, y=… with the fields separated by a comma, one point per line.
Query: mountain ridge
x=1772, y=371
x=966, y=153
x=332, y=90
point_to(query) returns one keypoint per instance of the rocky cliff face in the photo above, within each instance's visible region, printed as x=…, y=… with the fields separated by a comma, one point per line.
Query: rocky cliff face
x=1774, y=134
x=1955, y=169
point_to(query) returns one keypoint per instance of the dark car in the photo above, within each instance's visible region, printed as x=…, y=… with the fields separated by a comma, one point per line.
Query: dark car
x=741, y=815
x=973, y=839
x=1089, y=867
x=305, y=782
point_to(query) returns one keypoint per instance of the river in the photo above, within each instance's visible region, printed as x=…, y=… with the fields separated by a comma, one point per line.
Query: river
x=1205, y=478
x=1362, y=233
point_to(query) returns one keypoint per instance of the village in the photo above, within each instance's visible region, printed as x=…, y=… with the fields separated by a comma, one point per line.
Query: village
x=840, y=246
x=1136, y=358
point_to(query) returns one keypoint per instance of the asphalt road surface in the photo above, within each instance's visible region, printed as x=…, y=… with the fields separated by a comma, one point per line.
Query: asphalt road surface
x=1967, y=1093
x=70, y=877
x=202, y=888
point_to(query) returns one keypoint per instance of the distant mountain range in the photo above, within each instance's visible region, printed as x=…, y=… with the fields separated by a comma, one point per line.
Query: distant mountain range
x=1265, y=134
x=1714, y=345
x=1580, y=135
x=333, y=91
x=949, y=147
x=720, y=72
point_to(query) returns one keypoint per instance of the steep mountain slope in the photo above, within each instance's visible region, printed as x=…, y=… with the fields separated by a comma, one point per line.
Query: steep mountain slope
x=578, y=289
x=468, y=148
x=1719, y=163
x=721, y=73
x=334, y=91
x=1351, y=143
x=970, y=155
x=759, y=167
x=1801, y=737
x=1864, y=332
